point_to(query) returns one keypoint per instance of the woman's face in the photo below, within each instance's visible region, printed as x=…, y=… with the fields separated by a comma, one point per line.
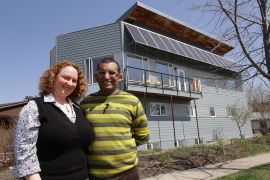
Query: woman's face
x=65, y=82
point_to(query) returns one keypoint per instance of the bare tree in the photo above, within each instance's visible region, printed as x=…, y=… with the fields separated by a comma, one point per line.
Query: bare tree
x=245, y=24
x=240, y=115
x=259, y=102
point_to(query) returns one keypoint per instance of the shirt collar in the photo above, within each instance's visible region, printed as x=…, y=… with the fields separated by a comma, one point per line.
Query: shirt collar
x=50, y=98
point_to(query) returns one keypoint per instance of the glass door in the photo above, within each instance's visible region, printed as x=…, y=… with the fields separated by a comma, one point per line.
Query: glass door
x=181, y=79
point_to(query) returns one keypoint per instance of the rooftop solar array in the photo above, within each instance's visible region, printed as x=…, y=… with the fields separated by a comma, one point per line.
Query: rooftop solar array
x=162, y=42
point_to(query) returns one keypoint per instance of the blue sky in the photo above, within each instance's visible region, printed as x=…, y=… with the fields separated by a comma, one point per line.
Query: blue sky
x=28, y=29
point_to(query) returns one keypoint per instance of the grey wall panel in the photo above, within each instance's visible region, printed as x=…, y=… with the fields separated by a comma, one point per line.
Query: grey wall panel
x=186, y=127
x=97, y=41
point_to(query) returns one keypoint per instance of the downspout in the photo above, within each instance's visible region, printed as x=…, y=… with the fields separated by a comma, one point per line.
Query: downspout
x=123, y=56
x=174, y=136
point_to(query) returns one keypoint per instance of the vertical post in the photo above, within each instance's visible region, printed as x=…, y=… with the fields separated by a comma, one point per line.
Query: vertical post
x=162, y=83
x=197, y=122
x=174, y=136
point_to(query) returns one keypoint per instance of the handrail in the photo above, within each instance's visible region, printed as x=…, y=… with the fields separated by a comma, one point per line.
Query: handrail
x=145, y=80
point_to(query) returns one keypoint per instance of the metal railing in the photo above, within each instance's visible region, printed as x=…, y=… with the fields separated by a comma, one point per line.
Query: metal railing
x=153, y=79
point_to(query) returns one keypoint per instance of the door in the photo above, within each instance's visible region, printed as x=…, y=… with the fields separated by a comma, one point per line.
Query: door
x=181, y=79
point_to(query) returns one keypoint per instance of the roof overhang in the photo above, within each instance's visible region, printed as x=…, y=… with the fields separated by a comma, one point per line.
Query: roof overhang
x=142, y=14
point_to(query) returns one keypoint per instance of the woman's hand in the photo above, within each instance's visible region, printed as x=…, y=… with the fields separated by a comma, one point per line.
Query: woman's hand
x=34, y=176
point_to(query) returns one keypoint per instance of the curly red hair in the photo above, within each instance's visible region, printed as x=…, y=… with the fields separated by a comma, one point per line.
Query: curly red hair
x=48, y=78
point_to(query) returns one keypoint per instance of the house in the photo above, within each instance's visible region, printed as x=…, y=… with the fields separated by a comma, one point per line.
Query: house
x=260, y=122
x=177, y=71
x=9, y=113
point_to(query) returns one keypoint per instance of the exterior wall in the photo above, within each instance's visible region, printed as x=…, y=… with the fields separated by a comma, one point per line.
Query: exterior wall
x=162, y=130
x=92, y=42
x=105, y=40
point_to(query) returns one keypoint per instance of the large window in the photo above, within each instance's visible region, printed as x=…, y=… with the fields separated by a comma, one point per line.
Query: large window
x=158, y=109
x=136, y=70
x=95, y=62
x=167, y=77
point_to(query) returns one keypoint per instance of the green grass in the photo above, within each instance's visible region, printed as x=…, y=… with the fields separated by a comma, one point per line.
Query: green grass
x=256, y=173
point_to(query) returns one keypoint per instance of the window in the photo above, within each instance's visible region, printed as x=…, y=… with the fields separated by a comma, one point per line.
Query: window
x=95, y=62
x=158, y=109
x=137, y=73
x=162, y=68
x=86, y=70
x=229, y=112
x=190, y=111
x=212, y=112
x=167, y=77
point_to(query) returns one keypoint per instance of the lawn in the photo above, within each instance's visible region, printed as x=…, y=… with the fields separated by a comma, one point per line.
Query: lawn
x=256, y=173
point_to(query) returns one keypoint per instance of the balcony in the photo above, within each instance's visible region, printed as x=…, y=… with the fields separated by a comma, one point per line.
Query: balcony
x=140, y=80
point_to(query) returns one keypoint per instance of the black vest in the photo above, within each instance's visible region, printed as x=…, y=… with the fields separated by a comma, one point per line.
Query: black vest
x=62, y=145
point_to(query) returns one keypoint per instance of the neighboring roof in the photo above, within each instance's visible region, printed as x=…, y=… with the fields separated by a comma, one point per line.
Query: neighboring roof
x=146, y=15
x=165, y=43
x=260, y=116
x=4, y=107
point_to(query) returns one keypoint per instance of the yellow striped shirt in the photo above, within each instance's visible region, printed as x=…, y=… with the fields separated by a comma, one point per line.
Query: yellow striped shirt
x=120, y=125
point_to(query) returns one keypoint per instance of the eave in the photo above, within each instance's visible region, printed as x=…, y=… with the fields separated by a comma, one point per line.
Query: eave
x=142, y=14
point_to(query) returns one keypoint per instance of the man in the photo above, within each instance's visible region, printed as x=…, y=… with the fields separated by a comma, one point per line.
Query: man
x=120, y=125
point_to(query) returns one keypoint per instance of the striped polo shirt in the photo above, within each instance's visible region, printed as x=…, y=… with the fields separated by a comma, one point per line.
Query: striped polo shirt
x=120, y=125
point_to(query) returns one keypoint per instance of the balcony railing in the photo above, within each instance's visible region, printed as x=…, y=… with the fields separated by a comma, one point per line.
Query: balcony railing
x=162, y=81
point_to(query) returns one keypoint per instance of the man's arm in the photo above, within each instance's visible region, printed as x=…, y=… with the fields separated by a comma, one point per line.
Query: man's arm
x=140, y=129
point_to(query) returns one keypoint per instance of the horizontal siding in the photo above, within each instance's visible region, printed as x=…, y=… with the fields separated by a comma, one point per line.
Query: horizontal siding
x=186, y=127
x=97, y=41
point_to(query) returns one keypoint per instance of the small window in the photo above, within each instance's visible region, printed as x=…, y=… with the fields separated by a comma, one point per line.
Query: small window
x=87, y=70
x=190, y=111
x=229, y=112
x=212, y=112
x=158, y=109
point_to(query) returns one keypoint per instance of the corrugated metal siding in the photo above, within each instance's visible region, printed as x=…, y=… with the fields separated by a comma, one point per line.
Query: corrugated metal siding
x=186, y=127
x=97, y=41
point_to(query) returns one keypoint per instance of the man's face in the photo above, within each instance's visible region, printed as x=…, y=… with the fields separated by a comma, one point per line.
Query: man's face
x=108, y=77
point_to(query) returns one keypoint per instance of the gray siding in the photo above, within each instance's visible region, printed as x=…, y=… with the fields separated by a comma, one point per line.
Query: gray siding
x=105, y=40
x=92, y=42
x=186, y=128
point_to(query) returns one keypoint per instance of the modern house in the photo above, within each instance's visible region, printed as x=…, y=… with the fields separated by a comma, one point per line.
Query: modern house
x=177, y=71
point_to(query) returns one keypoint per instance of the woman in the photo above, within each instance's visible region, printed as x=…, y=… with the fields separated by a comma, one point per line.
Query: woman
x=52, y=135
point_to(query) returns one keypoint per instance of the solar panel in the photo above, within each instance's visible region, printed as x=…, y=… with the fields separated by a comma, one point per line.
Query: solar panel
x=136, y=35
x=187, y=51
x=148, y=38
x=194, y=53
x=168, y=44
x=178, y=48
x=158, y=41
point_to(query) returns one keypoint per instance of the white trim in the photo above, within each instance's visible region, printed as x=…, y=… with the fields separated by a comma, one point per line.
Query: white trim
x=152, y=104
x=191, y=109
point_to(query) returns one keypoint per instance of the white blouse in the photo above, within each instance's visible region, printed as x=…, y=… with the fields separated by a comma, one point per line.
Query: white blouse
x=27, y=134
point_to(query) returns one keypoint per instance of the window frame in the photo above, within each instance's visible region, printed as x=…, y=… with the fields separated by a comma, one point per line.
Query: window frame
x=152, y=104
x=87, y=70
x=93, y=70
x=191, y=110
x=143, y=60
x=210, y=114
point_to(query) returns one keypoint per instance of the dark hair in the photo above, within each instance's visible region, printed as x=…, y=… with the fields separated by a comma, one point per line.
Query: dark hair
x=109, y=60
x=47, y=80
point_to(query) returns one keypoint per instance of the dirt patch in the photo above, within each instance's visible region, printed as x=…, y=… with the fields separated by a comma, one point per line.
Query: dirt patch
x=188, y=157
